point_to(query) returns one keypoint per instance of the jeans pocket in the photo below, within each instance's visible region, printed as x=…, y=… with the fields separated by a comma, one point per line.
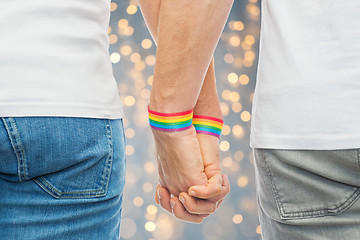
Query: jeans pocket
x=303, y=192
x=86, y=163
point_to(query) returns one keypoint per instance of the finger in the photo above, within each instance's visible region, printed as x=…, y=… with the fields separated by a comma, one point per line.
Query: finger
x=157, y=200
x=196, y=205
x=180, y=212
x=164, y=198
x=211, y=189
x=225, y=189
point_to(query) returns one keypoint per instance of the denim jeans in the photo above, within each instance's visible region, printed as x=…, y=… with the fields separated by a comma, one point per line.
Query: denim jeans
x=308, y=195
x=61, y=178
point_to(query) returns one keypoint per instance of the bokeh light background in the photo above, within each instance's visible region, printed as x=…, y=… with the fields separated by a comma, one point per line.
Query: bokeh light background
x=132, y=53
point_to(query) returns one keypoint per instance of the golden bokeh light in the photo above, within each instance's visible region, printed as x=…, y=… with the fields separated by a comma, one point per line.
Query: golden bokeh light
x=132, y=9
x=237, y=218
x=245, y=116
x=150, y=226
x=224, y=146
x=138, y=201
x=242, y=181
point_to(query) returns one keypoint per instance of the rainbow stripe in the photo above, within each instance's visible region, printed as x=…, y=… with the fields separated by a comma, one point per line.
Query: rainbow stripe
x=170, y=122
x=208, y=125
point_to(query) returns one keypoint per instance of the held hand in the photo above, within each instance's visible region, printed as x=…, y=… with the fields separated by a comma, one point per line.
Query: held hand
x=206, y=198
x=180, y=163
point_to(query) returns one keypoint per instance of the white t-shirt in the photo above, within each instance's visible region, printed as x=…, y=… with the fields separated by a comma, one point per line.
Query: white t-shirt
x=308, y=85
x=54, y=59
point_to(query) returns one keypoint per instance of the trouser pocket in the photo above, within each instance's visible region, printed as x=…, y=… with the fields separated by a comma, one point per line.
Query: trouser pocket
x=306, y=184
x=66, y=157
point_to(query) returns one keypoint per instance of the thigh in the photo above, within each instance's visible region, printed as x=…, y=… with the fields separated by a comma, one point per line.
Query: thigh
x=305, y=194
x=61, y=178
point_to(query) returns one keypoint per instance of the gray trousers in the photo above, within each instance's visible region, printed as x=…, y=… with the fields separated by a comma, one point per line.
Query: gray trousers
x=308, y=194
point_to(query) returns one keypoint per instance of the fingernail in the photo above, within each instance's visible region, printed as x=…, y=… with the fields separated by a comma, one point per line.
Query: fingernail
x=172, y=203
x=159, y=193
x=182, y=200
x=192, y=193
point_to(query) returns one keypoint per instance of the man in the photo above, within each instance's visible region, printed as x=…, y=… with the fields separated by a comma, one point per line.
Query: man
x=62, y=158
x=305, y=125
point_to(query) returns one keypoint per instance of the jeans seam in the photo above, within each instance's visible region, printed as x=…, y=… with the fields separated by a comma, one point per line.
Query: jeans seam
x=108, y=164
x=18, y=148
x=274, y=189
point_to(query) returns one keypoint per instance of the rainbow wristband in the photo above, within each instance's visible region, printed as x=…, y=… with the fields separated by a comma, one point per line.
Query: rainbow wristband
x=208, y=125
x=170, y=122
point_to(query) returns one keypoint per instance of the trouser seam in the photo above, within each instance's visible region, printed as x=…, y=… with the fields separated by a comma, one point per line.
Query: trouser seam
x=17, y=146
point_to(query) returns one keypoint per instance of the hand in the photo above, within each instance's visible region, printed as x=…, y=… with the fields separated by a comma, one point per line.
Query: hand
x=179, y=158
x=206, y=198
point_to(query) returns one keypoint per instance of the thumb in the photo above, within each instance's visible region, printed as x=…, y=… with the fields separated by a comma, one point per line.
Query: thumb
x=209, y=146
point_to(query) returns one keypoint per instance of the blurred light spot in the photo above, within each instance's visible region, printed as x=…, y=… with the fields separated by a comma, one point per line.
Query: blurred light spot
x=226, y=130
x=150, y=80
x=135, y=57
x=245, y=116
x=258, y=230
x=113, y=39
x=150, y=226
x=123, y=23
x=224, y=108
x=238, y=131
x=115, y=57
x=244, y=79
x=145, y=93
x=129, y=101
x=234, y=41
x=246, y=46
x=237, y=219
x=129, y=150
x=113, y=6
x=138, y=201
x=242, y=181
x=234, y=96
x=224, y=146
x=151, y=209
x=226, y=94
x=146, y=43
x=125, y=50
x=150, y=60
x=252, y=9
x=228, y=58
x=233, y=78
x=140, y=65
x=128, y=228
x=239, y=156
x=236, y=107
x=129, y=133
x=250, y=39
x=147, y=187
x=131, y=9
x=128, y=31
x=149, y=167
x=227, y=162
x=249, y=55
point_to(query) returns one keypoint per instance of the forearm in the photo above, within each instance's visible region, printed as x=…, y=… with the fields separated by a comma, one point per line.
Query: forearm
x=208, y=102
x=184, y=50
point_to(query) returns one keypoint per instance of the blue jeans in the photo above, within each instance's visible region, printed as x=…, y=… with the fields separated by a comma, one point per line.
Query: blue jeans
x=61, y=178
x=308, y=195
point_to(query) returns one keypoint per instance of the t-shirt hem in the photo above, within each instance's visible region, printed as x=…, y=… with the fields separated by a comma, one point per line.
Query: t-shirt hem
x=62, y=111
x=305, y=143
